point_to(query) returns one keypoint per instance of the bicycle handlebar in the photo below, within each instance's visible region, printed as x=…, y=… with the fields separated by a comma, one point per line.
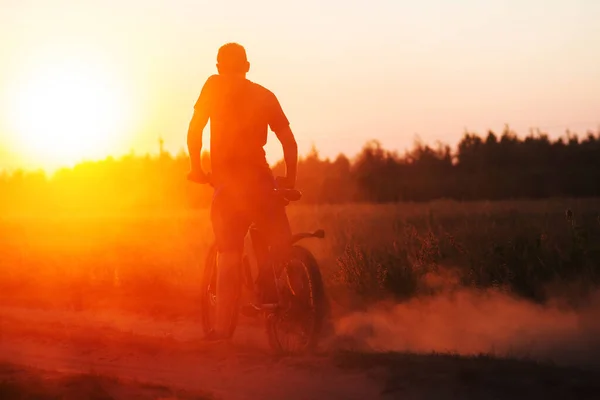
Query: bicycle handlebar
x=286, y=194
x=289, y=194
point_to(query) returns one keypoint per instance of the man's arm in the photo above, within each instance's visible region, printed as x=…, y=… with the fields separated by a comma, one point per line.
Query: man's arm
x=194, y=139
x=281, y=126
x=196, y=128
x=290, y=154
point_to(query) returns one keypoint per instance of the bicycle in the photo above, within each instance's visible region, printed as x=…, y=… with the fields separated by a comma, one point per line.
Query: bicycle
x=301, y=304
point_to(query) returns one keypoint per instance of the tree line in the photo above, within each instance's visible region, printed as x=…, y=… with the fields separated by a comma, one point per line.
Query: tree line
x=481, y=167
x=492, y=166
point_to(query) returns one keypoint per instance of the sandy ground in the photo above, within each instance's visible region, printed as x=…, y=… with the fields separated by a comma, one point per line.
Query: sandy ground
x=169, y=353
x=151, y=356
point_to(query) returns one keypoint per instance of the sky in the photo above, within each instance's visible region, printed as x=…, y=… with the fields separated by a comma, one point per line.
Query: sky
x=345, y=72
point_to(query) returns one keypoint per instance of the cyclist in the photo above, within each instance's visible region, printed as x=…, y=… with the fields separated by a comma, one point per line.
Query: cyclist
x=240, y=113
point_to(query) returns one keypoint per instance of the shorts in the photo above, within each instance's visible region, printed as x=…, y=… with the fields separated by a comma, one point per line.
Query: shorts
x=234, y=209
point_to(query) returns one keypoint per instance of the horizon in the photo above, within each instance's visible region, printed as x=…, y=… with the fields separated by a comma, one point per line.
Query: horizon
x=431, y=70
x=580, y=137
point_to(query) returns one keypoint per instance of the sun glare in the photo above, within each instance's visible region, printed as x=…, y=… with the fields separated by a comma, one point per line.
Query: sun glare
x=67, y=113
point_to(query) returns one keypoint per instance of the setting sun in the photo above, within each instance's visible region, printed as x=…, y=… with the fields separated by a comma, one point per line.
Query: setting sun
x=67, y=112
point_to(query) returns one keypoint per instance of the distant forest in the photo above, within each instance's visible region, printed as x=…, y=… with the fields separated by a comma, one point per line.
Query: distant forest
x=492, y=166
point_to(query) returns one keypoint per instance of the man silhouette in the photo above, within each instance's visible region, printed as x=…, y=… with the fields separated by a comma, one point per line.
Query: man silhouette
x=240, y=113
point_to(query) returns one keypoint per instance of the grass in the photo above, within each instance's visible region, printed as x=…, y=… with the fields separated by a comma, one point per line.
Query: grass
x=152, y=262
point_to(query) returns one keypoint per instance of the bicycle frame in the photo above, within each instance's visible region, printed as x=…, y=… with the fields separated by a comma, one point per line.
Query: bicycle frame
x=262, y=255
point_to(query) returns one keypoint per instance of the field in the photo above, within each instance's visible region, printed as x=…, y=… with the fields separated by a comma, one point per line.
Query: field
x=533, y=250
x=508, y=279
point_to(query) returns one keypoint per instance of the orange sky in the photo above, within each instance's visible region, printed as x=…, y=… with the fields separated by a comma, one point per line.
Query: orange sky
x=344, y=71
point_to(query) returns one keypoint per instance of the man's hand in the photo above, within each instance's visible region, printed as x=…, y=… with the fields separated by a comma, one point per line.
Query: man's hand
x=198, y=176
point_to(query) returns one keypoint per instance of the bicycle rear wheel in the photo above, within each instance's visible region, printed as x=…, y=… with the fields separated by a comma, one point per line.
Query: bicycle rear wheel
x=209, y=295
x=295, y=328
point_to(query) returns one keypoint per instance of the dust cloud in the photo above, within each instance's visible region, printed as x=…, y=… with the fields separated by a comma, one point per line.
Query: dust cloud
x=469, y=322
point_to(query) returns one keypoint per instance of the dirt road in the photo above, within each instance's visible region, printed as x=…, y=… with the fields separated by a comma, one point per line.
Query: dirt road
x=169, y=353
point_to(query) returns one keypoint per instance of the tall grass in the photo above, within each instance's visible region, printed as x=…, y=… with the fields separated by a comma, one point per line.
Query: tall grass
x=152, y=262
